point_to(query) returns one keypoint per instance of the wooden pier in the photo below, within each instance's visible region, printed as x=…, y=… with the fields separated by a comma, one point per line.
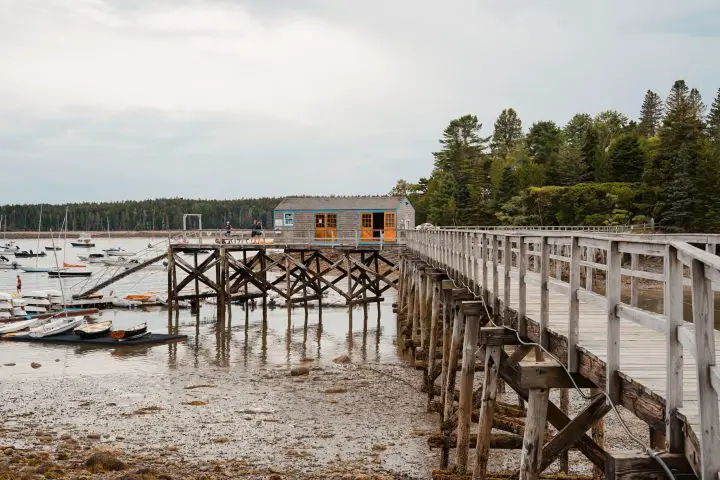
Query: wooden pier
x=478, y=302
x=297, y=274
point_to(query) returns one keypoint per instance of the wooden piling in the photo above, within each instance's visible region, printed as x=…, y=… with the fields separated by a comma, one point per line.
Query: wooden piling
x=471, y=312
x=487, y=409
x=534, y=438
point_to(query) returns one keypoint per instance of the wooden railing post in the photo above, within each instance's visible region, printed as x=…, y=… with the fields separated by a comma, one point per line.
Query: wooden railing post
x=496, y=279
x=590, y=257
x=544, y=291
x=634, y=281
x=574, y=307
x=522, y=286
x=485, y=286
x=673, y=310
x=703, y=305
x=612, y=297
x=507, y=264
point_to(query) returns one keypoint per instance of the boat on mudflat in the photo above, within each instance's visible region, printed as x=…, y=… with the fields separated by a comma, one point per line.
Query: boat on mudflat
x=94, y=330
x=21, y=325
x=129, y=332
x=56, y=327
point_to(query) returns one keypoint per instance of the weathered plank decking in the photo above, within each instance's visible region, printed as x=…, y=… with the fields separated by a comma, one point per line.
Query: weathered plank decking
x=674, y=392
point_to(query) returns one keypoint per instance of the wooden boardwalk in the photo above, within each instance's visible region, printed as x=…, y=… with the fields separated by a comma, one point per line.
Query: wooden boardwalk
x=541, y=283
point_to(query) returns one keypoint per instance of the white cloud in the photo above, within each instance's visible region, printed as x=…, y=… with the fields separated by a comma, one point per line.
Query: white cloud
x=312, y=96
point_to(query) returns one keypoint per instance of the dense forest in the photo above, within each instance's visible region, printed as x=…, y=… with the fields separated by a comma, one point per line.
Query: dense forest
x=158, y=214
x=663, y=168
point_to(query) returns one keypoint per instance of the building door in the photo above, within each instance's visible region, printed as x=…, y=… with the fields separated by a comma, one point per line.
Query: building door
x=366, y=227
x=390, y=227
x=326, y=227
x=378, y=225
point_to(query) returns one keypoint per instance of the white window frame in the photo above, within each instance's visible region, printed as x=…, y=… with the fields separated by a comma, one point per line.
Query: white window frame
x=290, y=215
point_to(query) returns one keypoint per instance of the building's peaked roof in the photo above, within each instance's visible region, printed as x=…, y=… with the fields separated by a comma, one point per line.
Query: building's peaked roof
x=339, y=203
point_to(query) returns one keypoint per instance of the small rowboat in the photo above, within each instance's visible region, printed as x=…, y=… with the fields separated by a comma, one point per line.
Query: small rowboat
x=135, y=337
x=129, y=332
x=21, y=325
x=56, y=327
x=93, y=330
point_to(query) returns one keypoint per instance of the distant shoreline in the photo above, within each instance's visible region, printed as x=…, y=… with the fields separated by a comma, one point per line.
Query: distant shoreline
x=99, y=235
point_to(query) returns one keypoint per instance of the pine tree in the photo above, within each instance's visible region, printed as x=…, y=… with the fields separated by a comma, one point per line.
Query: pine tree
x=650, y=114
x=507, y=133
x=627, y=158
x=678, y=214
x=681, y=148
x=443, y=206
x=713, y=120
x=507, y=187
x=697, y=107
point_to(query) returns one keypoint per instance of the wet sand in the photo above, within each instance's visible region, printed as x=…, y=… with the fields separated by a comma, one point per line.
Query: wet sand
x=221, y=405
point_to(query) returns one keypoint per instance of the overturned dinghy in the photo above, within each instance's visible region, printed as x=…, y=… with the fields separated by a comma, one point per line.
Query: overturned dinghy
x=93, y=330
x=56, y=327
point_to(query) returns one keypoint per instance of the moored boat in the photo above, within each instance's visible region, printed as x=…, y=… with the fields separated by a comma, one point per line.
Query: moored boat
x=21, y=325
x=94, y=330
x=56, y=327
x=29, y=254
x=68, y=272
x=83, y=241
x=29, y=269
x=129, y=332
x=6, y=264
x=51, y=248
x=135, y=337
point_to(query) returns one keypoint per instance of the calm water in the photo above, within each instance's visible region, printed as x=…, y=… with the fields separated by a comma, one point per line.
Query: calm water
x=247, y=340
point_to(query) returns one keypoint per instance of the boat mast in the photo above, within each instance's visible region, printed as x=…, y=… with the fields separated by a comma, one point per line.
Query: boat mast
x=65, y=222
x=37, y=252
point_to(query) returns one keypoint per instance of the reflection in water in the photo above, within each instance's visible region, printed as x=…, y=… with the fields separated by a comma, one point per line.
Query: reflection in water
x=264, y=339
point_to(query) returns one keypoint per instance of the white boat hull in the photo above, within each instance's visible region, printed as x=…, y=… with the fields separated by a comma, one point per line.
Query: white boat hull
x=21, y=325
x=35, y=269
x=56, y=327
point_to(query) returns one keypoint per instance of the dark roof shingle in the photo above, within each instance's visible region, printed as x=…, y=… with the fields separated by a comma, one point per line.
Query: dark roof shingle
x=338, y=203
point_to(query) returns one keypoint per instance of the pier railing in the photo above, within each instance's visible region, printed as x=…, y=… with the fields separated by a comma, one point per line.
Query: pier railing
x=555, y=261
x=283, y=237
x=556, y=228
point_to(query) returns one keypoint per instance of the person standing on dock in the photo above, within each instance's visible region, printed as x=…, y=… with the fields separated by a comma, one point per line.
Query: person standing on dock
x=228, y=228
x=19, y=285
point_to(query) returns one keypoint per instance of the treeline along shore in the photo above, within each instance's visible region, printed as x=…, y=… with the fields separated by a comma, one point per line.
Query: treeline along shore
x=147, y=217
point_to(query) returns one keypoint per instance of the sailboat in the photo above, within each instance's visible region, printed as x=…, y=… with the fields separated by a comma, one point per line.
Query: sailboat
x=36, y=254
x=7, y=248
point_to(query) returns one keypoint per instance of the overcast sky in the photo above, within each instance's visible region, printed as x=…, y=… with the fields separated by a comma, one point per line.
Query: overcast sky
x=132, y=99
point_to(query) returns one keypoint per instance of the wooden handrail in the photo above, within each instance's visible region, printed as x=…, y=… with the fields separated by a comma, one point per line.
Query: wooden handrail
x=467, y=254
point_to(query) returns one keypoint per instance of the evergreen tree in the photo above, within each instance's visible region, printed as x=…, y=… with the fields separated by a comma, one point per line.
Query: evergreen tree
x=590, y=154
x=543, y=141
x=507, y=187
x=627, y=158
x=681, y=148
x=443, y=206
x=650, y=114
x=507, y=133
x=713, y=120
x=678, y=214
x=697, y=106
